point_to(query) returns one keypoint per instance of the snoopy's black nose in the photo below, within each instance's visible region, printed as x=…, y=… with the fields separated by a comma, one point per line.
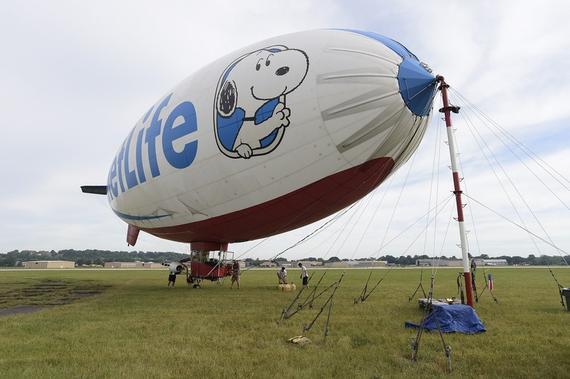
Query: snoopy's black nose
x=282, y=71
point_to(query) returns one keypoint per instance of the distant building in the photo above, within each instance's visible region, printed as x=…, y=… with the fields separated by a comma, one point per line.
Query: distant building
x=49, y=264
x=139, y=264
x=146, y=265
x=267, y=264
x=337, y=264
x=120, y=264
x=355, y=264
x=152, y=265
x=307, y=263
x=440, y=262
x=491, y=262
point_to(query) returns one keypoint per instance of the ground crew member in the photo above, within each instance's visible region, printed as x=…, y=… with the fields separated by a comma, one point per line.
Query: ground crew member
x=282, y=275
x=235, y=274
x=304, y=275
x=171, y=278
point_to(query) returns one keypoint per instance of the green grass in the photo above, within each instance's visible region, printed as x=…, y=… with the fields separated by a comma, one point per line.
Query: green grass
x=139, y=328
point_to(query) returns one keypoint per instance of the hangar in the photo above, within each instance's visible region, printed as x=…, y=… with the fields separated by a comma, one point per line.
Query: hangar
x=49, y=264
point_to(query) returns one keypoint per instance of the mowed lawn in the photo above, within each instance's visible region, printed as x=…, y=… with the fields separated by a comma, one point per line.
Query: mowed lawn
x=139, y=328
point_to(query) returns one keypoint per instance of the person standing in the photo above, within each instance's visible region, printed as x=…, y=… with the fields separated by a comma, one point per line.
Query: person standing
x=235, y=274
x=304, y=275
x=171, y=278
x=282, y=275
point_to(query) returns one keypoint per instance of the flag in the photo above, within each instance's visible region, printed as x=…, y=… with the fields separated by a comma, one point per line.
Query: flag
x=490, y=282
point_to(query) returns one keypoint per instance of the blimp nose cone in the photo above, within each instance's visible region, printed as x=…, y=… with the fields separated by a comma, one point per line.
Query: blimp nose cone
x=375, y=96
x=417, y=86
x=416, y=82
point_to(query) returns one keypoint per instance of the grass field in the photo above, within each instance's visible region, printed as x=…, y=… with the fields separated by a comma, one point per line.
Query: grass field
x=139, y=328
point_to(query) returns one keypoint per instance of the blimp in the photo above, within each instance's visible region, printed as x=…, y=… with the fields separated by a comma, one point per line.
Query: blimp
x=270, y=138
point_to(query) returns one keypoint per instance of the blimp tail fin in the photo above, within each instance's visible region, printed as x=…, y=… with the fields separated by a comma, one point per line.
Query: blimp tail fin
x=97, y=190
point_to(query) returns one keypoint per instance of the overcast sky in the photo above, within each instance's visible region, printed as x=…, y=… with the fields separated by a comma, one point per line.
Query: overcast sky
x=75, y=76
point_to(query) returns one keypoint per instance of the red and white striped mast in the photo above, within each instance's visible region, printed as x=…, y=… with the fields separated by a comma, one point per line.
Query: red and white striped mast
x=446, y=110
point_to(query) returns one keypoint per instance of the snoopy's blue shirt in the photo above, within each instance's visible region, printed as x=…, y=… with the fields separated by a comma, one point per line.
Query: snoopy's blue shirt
x=229, y=127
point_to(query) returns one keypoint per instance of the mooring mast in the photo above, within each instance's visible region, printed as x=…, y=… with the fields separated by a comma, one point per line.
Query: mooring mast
x=446, y=110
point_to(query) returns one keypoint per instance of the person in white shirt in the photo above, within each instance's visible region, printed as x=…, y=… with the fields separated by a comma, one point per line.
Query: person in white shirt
x=304, y=275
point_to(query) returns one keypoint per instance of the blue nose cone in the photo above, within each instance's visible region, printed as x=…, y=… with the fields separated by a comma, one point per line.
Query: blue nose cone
x=417, y=87
x=417, y=84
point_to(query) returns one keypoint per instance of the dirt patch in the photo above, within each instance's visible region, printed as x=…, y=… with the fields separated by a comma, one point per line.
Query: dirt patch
x=46, y=293
x=20, y=309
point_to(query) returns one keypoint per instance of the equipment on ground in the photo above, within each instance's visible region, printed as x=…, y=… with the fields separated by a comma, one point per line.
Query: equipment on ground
x=416, y=341
x=287, y=287
x=460, y=291
x=425, y=302
x=560, y=288
x=365, y=293
x=451, y=318
x=291, y=310
x=311, y=298
x=473, y=278
x=489, y=285
x=205, y=265
x=565, y=293
x=419, y=287
x=286, y=312
x=329, y=303
x=299, y=340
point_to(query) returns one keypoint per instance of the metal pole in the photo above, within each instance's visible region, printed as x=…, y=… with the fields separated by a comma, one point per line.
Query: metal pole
x=446, y=110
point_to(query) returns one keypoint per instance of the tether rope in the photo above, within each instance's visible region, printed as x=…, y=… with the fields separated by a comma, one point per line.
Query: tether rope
x=526, y=150
x=482, y=147
x=516, y=189
x=498, y=136
x=389, y=186
x=389, y=224
x=471, y=128
x=310, y=235
x=422, y=217
x=338, y=235
x=518, y=226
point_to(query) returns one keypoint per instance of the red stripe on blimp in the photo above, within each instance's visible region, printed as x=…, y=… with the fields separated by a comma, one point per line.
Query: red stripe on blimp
x=288, y=212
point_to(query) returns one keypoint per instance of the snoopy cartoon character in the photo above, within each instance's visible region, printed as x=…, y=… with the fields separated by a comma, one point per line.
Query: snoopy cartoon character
x=250, y=110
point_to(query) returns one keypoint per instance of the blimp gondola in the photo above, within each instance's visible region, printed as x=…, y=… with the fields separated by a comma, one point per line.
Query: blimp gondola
x=270, y=138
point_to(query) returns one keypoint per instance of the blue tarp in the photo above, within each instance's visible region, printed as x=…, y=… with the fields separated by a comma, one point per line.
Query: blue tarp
x=452, y=318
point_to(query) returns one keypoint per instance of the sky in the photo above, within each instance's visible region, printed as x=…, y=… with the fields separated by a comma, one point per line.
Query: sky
x=76, y=76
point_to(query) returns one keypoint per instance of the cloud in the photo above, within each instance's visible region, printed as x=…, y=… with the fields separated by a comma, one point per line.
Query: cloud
x=76, y=77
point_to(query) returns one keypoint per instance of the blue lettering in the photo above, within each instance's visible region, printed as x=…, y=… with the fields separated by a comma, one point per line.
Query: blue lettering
x=129, y=175
x=171, y=133
x=140, y=168
x=119, y=166
x=147, y=114
x=112, y=189
x=181, y=122
x=152, y=132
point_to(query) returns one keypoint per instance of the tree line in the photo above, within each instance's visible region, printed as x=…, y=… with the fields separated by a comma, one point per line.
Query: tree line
x=410, y=260
x=99, y=257
x=86, y=257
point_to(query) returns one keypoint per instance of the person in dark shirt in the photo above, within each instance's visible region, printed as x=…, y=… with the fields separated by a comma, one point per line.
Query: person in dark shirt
x=235, y=274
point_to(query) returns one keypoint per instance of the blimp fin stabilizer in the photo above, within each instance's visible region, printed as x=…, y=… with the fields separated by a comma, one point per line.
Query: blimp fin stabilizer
x=97, y=190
